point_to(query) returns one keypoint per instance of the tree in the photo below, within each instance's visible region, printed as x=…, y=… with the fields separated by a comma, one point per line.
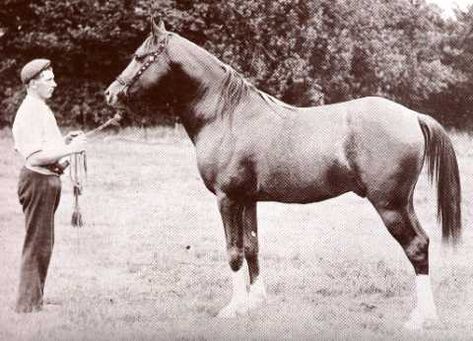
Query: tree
x=456, y=104
x=305, y=52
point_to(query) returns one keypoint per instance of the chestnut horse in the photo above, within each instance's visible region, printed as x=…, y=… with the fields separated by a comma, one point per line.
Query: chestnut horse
x=252, y=147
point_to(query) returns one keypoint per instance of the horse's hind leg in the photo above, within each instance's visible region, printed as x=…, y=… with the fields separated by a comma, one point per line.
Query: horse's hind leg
x=402, y=223
x=232, y=216
x=257, y=293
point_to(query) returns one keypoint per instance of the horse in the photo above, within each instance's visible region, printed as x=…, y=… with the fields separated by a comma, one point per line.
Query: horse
x=252, y=147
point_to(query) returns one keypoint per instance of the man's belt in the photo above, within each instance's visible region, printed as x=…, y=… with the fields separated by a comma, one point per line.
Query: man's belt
x=57, y=167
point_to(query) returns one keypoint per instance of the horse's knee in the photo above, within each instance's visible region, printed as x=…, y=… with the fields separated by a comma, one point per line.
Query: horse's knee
x=418, y=253
x=235, y=258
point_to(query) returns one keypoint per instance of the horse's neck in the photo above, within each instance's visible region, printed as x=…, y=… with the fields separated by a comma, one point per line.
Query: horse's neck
x=198, y=78
x=199, y=112
x=205, y=101
x=196, y=61
x=208, y=104
x=191, y=98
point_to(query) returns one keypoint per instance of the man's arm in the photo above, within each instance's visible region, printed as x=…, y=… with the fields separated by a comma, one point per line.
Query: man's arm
x=52, y=155
x=70, y=136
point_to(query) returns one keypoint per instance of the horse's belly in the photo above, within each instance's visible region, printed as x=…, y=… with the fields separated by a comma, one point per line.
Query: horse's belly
x=304, y=187
x=300, y=196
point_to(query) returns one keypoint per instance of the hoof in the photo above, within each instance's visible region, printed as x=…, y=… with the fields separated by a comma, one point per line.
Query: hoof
x=418, y=320
x=256, y=301
x=233, y=310
x=414, y=325
x=257, y=295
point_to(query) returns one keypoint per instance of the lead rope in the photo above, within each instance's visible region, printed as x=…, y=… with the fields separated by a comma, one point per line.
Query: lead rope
x=78, y=172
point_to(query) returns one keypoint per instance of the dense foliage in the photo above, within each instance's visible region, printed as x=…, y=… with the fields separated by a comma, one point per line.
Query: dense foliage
x=306, y=52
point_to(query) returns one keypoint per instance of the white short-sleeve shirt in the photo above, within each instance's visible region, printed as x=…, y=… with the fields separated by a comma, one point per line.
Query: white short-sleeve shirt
x=35, y=129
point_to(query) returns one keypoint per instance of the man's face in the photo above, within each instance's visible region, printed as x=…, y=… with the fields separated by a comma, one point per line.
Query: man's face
x=44, y=84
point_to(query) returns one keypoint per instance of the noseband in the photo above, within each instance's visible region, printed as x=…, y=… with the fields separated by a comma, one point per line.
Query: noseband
x=151, y=58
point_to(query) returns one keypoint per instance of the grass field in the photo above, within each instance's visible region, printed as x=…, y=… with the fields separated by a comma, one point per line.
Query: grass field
x=150, y=264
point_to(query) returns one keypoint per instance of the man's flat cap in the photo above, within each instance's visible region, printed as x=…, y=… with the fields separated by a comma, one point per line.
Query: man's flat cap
x=33, y=68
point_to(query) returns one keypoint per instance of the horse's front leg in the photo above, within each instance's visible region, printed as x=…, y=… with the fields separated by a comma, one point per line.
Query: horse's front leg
x=232, y=217
x=257, y=292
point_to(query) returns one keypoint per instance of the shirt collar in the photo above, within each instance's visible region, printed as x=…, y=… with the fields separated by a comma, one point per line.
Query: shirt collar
x=35, y=99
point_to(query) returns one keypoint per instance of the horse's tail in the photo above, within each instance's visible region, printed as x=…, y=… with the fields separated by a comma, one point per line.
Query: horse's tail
x=442, y=165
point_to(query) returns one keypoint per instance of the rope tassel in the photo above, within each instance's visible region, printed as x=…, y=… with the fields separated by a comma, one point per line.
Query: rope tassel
x=77, y=173
x=76, y=220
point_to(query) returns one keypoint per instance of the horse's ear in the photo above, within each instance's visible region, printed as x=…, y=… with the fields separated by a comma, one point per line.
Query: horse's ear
x=161, y=26
x=157, y=30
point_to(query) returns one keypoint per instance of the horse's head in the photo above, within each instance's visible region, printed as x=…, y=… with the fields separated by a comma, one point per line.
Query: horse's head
x=149, y=64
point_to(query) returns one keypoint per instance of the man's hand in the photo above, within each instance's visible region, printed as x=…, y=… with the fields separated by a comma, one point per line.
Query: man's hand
x=78, y=143
x=71, y=135
x=47, y=156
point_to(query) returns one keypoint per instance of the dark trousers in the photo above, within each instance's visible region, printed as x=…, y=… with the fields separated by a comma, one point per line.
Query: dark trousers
x=39, y=195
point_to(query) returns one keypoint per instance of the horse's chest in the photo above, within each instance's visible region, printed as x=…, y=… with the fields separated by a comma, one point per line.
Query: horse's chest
x=227, y=174
x=207, y=167
x=227, y=170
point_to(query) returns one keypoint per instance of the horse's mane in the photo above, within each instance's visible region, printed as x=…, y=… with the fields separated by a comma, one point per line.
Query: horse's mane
x=233, y=89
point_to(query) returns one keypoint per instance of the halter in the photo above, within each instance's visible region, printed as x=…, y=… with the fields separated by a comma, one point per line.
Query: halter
x=153, y=56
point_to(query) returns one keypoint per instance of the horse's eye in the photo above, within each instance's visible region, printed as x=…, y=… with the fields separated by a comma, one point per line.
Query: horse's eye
x=139, y=58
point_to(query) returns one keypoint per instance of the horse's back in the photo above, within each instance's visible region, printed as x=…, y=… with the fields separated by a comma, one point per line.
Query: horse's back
x=379, y=116
x=381, y=128
x=370, y=112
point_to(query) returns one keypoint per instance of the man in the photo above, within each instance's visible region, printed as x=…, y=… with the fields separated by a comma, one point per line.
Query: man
x=38, y=139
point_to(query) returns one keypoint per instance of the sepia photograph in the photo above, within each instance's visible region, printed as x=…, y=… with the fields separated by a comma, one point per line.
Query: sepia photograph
x=236, y=170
